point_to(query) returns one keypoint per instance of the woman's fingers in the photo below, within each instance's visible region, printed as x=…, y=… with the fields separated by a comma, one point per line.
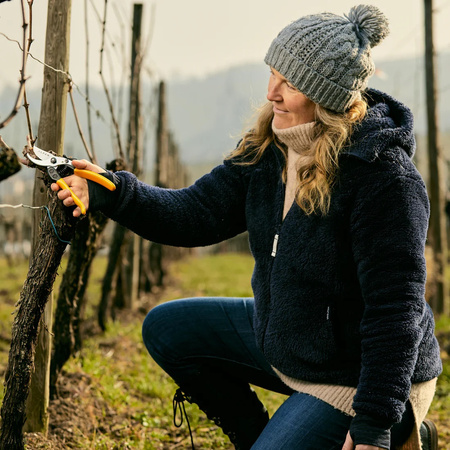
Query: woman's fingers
x=70, y=202
x=79, y=187
x=86, y=165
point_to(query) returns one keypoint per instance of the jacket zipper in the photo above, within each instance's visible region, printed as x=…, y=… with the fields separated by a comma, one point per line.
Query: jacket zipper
x=279, y=223
x=275, y=245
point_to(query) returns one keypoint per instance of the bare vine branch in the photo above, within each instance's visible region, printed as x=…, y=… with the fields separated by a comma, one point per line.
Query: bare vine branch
x=111, y=40
x=26, y=105
x=34, y=57
x=69, y=77
x=105, y=87
x=89, y=117
x=22, y=80
x=123, y=58
x=80, y=131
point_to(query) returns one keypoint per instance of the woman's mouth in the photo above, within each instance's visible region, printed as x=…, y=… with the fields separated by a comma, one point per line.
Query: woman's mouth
x=278, y=110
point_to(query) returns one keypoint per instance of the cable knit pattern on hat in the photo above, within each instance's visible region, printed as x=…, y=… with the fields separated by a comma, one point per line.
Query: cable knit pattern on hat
x=328, y=57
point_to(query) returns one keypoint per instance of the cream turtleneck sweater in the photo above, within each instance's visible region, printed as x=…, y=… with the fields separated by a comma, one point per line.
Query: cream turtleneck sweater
x=298, y=140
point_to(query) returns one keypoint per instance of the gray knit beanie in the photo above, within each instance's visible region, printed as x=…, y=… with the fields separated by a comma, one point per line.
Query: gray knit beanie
x=328, y=57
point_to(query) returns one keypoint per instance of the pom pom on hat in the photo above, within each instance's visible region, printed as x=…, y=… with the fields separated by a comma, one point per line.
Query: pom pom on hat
x=370, y=21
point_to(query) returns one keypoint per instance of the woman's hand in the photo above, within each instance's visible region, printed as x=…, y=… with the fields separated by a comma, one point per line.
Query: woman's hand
x=348, y=445
x=78, y=185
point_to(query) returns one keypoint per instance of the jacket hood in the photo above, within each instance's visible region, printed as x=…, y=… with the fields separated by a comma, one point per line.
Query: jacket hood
x=388, y=124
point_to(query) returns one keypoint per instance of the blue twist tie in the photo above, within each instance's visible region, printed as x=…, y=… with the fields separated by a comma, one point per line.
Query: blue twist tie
x=54, y=228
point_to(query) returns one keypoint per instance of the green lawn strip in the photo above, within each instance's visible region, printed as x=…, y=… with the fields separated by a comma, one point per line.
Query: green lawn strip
x=225, y=275
x=11, y=281
x=440, y=407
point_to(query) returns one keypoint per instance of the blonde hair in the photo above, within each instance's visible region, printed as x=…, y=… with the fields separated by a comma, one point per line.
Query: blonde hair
x=317, y=172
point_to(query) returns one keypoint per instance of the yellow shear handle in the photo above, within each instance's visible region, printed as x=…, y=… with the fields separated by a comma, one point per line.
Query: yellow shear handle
x=93, y=176
x=63, y=185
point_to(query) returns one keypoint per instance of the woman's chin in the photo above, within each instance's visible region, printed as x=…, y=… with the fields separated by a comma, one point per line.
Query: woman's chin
x=281, y=122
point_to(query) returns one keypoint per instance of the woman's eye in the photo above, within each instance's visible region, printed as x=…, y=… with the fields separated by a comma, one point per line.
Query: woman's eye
x=290, y=86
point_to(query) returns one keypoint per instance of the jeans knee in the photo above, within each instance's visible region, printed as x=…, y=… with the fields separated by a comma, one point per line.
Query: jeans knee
x=164, y=332
x=153, y=330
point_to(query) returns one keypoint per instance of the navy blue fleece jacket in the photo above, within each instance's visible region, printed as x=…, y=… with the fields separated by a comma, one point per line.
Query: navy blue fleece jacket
x=341, y=300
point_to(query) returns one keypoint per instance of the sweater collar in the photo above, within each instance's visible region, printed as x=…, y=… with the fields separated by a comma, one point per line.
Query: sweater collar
x=297, y=138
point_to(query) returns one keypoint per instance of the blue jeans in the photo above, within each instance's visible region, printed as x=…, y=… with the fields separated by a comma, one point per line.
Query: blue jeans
x=183, y=334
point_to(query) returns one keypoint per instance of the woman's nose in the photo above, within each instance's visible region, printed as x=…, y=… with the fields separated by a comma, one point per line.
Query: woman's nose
x=273, y=92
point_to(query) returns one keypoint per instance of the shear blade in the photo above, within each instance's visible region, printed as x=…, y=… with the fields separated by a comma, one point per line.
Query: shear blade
x=38, y=162
x=42, y=154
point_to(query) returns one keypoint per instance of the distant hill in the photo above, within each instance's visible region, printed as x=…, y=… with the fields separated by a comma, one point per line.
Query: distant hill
x=207, y=115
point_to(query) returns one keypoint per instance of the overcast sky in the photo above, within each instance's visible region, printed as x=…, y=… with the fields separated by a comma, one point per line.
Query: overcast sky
x=197, y=37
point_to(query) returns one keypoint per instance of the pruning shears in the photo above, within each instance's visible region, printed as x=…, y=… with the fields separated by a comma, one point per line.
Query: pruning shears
x=55, y=164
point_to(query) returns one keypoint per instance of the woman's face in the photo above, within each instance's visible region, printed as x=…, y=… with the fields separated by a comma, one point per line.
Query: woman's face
x=290, y=106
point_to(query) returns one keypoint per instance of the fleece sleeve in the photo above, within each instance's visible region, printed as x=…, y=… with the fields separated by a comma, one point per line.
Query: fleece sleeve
x=388, y=226
x=209, y=211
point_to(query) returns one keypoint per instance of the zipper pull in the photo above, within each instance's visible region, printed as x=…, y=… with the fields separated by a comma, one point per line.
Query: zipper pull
x=275, y=245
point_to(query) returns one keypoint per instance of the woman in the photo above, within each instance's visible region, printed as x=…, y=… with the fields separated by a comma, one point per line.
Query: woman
x=337, y=218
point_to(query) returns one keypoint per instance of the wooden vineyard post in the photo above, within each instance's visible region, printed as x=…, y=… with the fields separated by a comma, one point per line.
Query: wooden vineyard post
x=436, y=184
x=50, y=137
x=135, y=147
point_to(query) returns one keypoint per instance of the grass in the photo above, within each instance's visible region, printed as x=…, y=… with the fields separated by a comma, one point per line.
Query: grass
x=113, y=396
x=226, y=275
x=440, y=408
